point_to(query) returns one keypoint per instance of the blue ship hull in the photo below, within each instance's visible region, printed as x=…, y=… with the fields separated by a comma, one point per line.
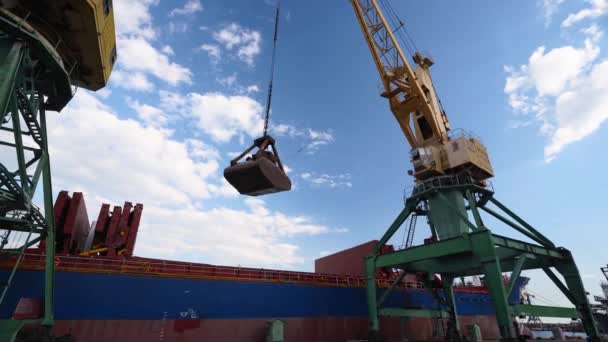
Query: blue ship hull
x=147, y=303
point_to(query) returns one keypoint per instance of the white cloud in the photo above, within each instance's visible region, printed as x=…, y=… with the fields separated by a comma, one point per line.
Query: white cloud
x=223, y=117
x=198, y=149
x=149, y=115
x=189, y=8
x=137, y=54
x=314, y=139
x=581, y=110
x=569, y=104
x=325, y=180
x=253, y=89
x=228, y=81
x=598, y=8
x=213, y=51
x=112, y=159
x=178, y=27
x=593, y=32
x=103, y=93
x=132, y=81
x=256, y=236
x=550, y=8
x=286, y=130
x=90, y=143
x=246, y=42
x=318, y=139
x=133, y=17
x=174, y=102
x=167, y=50
x=540, y=70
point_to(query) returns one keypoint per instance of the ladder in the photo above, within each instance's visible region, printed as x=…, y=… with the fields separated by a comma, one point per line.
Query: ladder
x=410, y=231
x=30, y=114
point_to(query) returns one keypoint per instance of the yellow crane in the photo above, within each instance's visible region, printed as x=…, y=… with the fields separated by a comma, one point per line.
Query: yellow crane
x=416, y=106
x=450, y=171
x=81, y=31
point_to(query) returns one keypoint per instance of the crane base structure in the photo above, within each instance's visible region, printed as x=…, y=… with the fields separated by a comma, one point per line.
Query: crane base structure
x=466, y=248
x=33, y=78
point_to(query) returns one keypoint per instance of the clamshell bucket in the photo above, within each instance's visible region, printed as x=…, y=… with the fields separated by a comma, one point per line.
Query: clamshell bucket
x=261, y=173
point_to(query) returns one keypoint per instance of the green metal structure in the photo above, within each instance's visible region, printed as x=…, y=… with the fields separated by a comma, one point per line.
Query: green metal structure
x=275, y=331
x=34, y=78
x=465, y=247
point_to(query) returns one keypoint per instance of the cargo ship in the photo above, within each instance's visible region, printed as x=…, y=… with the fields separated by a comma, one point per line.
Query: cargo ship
x=104, y=293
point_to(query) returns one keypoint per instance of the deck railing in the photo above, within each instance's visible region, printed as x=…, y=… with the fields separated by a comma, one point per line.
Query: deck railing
x=163, y=268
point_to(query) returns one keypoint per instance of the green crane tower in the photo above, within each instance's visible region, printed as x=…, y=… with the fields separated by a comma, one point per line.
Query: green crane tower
x=44, y=52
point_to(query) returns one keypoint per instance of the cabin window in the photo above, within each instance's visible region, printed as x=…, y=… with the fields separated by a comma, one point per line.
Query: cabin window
x=113, y=56
x=107, y=7
x=425, y=128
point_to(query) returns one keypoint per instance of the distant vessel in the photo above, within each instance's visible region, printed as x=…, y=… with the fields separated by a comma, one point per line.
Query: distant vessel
x=600, y=311
x=103, y=293
x=537, y=329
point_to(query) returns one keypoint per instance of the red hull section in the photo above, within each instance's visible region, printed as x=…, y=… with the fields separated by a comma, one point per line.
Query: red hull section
x=346, y=262
x=321, y=329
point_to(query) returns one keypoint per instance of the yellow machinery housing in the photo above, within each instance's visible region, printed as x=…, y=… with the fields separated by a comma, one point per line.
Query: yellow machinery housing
x=82, y=32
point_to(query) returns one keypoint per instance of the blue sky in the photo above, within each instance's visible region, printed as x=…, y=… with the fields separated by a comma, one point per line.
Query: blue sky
x=188, y=92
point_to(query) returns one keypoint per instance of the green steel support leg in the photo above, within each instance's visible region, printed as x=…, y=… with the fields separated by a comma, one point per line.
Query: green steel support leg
x=448, y=291
x=388, y=291
x=573, y=279
x=483, y=247
x=559, y=284
x=516, y=272
x=474, y=210
x=372, y=306
x=16, y=265
x=394, y=227
x=547, y=242
x=24, y=180
x=38, y=172
x=9, y=329
x=9, y=70
x=402, y=321
x=49, y=292
x=515, y=226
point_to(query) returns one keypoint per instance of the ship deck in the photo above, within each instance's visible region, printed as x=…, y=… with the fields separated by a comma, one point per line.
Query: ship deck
x=187, y=270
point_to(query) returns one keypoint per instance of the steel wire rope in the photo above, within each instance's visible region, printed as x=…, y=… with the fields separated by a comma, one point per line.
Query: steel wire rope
x=272, y=67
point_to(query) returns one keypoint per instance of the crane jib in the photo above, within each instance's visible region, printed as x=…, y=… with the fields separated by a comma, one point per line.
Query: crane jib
x=414, y=102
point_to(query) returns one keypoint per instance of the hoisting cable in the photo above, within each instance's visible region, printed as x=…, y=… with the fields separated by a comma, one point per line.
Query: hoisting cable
x=274, y=52
x=399, y=27
x=262, y=172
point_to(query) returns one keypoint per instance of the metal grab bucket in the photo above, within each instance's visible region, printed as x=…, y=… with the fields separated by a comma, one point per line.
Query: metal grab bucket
x=260, y=174
x=257, y=177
